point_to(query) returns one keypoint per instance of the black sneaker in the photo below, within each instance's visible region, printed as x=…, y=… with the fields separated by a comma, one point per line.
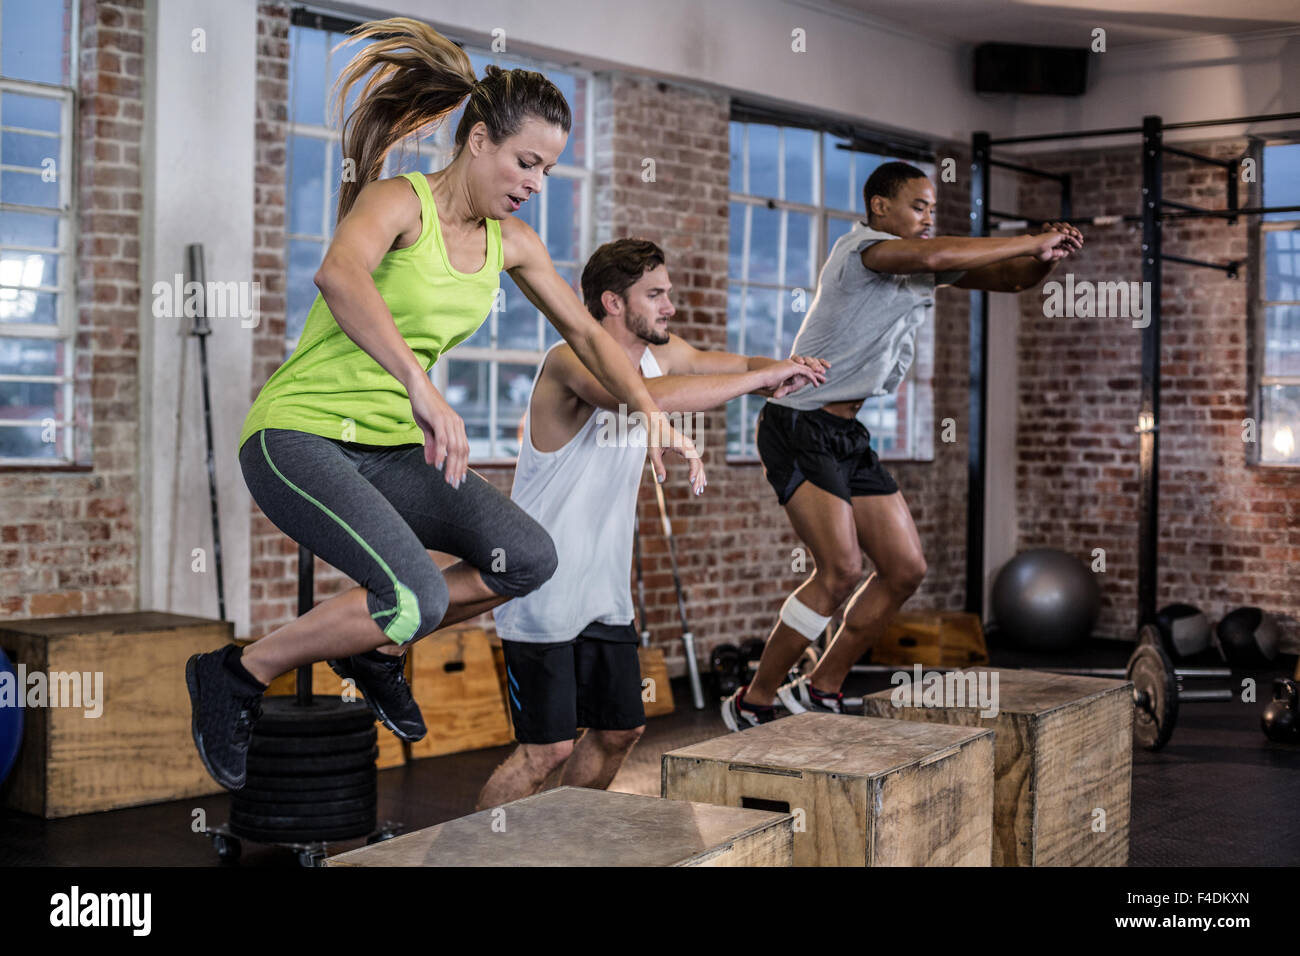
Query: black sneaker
x=223, y=709
x=799, y=696
x=382, y=682
x=738, y=715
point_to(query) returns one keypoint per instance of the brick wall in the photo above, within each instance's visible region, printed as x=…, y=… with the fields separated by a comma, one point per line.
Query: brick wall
x=68, y=540
x=1227, y=530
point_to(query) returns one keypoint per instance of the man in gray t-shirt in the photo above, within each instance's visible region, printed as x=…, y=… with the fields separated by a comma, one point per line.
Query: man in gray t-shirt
x=874, y=291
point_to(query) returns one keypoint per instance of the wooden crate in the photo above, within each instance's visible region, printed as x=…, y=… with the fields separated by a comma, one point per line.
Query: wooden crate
x=572, y=826
x=932, y=638
x=864, y=791
x=139, y=750
x=1064, y=750
x=392, y=750
x=455, y=683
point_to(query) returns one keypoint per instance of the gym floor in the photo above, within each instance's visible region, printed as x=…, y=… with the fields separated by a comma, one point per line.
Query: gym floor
x=1219, y=794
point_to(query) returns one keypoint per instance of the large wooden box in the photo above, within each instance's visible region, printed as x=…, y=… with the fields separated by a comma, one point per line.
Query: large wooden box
x=571, y=826
x=454, y=681
x=392, y=749
x=863, y=791
x=932, y=638
x=1063, y=764
x=139, y=749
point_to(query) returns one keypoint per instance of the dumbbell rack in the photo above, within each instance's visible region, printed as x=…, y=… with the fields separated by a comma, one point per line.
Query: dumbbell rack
x=226, y=839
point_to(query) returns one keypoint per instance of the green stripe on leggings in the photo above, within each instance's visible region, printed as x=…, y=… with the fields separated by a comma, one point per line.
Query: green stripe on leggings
x=408, y=607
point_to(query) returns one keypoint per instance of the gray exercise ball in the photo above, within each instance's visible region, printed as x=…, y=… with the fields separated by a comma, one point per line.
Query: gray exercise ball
x=1046, y=600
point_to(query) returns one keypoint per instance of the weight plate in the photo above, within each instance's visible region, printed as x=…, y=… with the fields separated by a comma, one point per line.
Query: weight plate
x=1150, y=634
x=307, y=746
x=293, y=784
x=257, y=821
x=327, y=715
x=247, y=809
x=307, y=835
x=1155, y=688
x=258, y=795
x=348, y=762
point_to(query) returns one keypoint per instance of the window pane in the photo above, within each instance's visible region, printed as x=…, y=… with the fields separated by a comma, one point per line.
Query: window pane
x=570, y=275
x=304, y=258
x=517, y=325
x=798, y=250
x=838, y=164
x=764, y=244
x=514, y=382
x=30, y=112
x=1282, y=340
x=1282, y=265
x=25, y=149
x=467, y=393
x=799, y=165
x=30, y=356
x=735, y=317
x=760, y=322
x=32, y=40
x=28, y=269
x=28, y=189
x=562, y=217
x=307, y=65
x=18, y=442
x=737, y=157
x=337, y=61
x=791, y=320
x=20, y=305
x=307, y=185
x=1281, y=432
x=763, y=157
x=834, y=229
x=750, y=406
x=35, y=400
x=736, y=246
x=574, y=90
x=29, y=229
x=1282, y=178
x=735, y=444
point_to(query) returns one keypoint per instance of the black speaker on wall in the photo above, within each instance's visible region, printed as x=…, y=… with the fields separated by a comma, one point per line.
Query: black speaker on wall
x=1015, y=68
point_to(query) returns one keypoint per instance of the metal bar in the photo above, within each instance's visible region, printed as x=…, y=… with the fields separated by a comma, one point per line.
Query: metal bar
x=1192, y=673
x=1205, y=696
x=1080, y=134
x=1017, y=221
x=1199, y=157
x=1148, y=424
x=202, y=329
x=1027, y=170
x=1175, y=204
x=1230, y=268
x=1233, y=171
x=1260, y=118
x=1067, y=196
x=978, y=388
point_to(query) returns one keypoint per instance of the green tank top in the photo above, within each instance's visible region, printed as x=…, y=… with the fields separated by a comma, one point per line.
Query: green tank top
x=330, y=386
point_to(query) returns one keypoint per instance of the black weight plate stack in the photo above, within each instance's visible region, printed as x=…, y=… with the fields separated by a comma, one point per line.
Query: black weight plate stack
x=311, y=773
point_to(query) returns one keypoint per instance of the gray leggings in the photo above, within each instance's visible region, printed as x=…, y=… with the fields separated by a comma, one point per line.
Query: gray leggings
x=374, y=511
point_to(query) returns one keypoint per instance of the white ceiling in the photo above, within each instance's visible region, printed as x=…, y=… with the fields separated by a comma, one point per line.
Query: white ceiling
x=1064, y=23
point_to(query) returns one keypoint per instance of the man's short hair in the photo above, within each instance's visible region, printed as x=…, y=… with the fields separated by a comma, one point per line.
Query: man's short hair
x=887, y=179
x=615, y=267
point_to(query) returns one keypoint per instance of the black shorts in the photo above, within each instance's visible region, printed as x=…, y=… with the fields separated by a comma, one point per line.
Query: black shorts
x=592, y=681
x=832, y=452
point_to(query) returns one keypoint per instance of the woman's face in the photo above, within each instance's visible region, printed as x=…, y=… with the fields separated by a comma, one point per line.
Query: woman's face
x=504, y=177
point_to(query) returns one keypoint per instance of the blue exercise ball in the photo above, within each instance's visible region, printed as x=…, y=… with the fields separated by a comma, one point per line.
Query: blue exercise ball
x=11, y=717
x=1046, y=600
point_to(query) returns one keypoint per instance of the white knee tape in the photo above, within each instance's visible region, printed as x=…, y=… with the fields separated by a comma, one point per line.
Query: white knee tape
x=803, y=619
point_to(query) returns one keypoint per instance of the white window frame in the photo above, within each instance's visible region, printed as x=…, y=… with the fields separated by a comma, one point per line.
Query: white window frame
x=822, y=215
x=1262, y=304
x=65, y=327
x=443, y=149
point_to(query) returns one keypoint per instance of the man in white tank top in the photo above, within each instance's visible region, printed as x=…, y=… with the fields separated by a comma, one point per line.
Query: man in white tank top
x=570, y=647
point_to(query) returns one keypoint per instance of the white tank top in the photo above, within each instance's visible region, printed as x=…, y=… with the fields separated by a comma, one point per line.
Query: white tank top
x=584, y=494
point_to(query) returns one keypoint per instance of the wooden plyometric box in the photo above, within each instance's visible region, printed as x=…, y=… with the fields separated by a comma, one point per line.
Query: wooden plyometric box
x=864, y=791
x=454, y=681
x=932, y=638
x=1063, y=762
x=572, y=826
x=131, y=669
x=392, y=749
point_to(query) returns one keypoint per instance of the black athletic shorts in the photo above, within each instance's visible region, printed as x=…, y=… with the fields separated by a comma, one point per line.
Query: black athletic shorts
x=592, y=681
x=832, y=452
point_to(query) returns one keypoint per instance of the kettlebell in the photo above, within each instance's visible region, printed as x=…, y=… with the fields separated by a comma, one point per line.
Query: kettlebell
x=1279, y=720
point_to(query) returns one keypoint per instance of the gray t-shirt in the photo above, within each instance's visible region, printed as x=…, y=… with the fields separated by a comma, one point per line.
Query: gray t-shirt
x=863, y=322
